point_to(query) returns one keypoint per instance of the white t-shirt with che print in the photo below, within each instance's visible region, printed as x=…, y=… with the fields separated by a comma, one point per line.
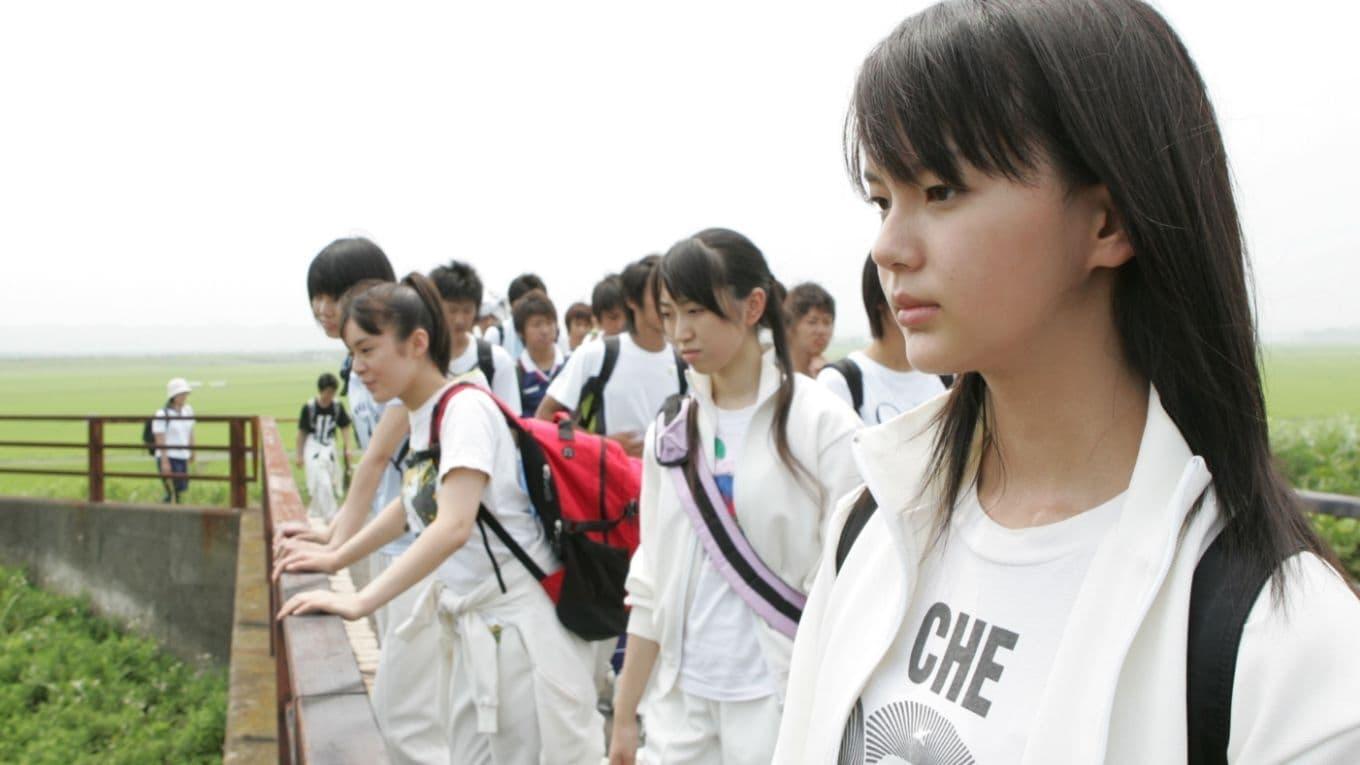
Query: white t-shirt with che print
x=887, y=392
x=504, y=383
x=721, y=659
x=176, y=432
x=640, y=383
x=969, y=666
x=473, y=434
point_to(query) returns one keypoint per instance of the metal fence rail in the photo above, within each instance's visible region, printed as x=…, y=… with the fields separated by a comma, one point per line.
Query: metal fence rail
x=242, y=449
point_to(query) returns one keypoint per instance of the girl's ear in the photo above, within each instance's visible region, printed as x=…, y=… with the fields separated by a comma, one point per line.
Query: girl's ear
x=1110, y=242
x=753, y=307
x=419, y=342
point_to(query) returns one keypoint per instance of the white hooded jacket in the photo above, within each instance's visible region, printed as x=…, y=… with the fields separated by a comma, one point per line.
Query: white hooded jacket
x=1116, y=692
x=784, y=520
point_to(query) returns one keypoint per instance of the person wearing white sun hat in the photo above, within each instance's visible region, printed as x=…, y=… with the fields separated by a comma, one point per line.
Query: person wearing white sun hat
x=174, y=439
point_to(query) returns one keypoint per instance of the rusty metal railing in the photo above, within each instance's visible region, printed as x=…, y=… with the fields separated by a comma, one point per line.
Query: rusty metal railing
x=242, y=452
x=324, y=711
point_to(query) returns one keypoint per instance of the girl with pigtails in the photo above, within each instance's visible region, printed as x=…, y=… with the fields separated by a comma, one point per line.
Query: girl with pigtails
x=513, y=686
x=739, y=476
x=1084, y=553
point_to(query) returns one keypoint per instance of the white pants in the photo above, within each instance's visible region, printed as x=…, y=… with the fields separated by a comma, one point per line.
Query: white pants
x=406, y=691
x=515, y=686
x=323, y=478
x=683, y=729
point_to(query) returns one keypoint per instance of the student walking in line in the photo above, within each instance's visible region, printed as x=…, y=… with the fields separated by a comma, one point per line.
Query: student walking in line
x=323, y=421
x=812, y=323
x=1084, y=553
x=514, y=686
x=879, y=382
x=615, y=385
x=739, y=477
x=536, y=324
x=608, y=307
x=580, y=323
x=460, y=292
x=172, y=427
x=404, y=709
x=519, y=287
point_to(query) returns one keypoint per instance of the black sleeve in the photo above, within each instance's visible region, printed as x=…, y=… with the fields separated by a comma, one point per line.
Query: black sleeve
x=341, y=416
x=305, y=420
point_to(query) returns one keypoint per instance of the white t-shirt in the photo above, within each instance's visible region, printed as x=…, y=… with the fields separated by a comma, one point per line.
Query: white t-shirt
x=887, y=392
x=503, y=383
x=176, y=432
x=639, y=384
x=969, y=666
x=721, y=657
x=473, y=434
x=366, y=411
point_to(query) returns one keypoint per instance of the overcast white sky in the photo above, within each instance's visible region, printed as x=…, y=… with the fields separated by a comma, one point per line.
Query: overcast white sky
x=168, y=170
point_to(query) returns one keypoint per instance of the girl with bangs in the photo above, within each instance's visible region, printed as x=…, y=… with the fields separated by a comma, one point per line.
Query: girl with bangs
x=739, y=477
x=1084, y=553
x=512, y=686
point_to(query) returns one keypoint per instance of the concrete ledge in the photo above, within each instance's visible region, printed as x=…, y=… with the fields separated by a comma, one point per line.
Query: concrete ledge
x=252, y=698
x=1340, y=505
x=168, y=572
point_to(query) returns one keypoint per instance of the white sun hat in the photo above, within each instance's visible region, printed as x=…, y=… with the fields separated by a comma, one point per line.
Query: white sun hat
x=177, y=386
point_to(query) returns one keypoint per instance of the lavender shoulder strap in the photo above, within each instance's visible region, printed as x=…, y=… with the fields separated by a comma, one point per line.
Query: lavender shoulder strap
x=731, y=554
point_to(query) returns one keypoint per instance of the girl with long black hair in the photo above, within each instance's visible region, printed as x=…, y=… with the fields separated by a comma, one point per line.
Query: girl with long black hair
x=739, y=477
x=1021, y=579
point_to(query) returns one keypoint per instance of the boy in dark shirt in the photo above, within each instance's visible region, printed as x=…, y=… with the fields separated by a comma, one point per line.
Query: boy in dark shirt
x=322, y=419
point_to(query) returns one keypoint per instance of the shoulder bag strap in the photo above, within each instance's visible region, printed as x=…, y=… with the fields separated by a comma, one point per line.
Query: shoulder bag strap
x=727, y=548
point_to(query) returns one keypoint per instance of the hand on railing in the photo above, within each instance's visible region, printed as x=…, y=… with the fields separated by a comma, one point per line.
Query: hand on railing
x=306, y=559
x=345, y=605
x=299, y=530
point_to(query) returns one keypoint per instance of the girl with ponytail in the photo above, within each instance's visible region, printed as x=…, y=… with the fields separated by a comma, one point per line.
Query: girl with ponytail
x=513, y=685
x=739, y=477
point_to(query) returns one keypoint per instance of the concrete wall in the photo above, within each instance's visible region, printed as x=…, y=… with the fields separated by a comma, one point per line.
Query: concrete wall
x=166, y=572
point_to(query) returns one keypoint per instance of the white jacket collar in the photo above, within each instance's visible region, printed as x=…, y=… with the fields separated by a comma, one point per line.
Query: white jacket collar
x=1127, y=574
x=701, y=385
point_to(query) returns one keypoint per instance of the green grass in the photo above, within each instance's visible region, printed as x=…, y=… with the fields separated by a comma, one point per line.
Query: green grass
x=77, y=689
x=1311, y=383
x=230, y=385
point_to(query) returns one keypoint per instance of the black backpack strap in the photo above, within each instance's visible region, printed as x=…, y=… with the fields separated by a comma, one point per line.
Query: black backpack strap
x=593, y=419
x=1225, y=586
x=854, y=379
x=864, y=509
x=486, y=362
x=486, y=519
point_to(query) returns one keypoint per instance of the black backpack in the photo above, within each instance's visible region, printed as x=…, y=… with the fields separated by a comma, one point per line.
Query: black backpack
x=854, y=379
x=590, y=405
x=1222, y=592
x=148, y=434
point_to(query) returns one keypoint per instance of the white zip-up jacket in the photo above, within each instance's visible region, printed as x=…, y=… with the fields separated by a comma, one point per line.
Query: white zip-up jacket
x=1116, y=692
x=784, y=519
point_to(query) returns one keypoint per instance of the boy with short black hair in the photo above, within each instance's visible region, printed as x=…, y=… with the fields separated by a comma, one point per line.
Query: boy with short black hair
x=320, y=422
x=579, y=325
x=460, y=292
x=607, y=306
x=812, y=320
x=536, y=324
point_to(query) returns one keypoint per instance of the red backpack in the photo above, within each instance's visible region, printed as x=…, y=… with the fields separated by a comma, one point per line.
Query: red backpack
x=585, y=489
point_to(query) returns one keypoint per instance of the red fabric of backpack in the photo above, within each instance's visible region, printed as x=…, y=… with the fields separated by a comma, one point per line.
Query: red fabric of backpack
x=585, y=489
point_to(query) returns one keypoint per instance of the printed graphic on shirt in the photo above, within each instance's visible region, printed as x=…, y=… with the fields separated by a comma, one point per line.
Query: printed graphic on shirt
x=723, y=470
x=904, y=732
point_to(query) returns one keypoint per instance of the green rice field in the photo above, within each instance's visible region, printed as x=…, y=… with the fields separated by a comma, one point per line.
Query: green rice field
x=1304, y=385
x=273, y=385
